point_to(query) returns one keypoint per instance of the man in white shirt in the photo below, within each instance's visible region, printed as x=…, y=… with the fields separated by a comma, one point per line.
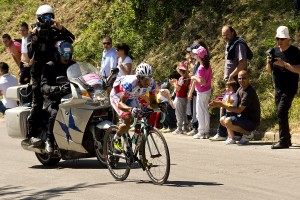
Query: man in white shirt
x=25, y=62
x=109, y=57
x=6, y=80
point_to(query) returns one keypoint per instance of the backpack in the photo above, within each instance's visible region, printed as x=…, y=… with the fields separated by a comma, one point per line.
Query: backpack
x=231, y=47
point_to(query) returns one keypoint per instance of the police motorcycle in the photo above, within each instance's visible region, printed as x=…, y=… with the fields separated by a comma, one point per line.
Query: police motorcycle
x=81, y=122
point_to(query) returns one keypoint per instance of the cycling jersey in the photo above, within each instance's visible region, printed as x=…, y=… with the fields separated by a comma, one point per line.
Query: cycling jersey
x=128, y=86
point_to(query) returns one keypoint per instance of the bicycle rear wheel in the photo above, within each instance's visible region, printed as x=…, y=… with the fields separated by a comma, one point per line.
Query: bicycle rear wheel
x=116, y=163
x=156, y=152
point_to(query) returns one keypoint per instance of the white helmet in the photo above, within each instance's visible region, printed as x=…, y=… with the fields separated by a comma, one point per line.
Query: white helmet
x=143, y=70
x=44, y=9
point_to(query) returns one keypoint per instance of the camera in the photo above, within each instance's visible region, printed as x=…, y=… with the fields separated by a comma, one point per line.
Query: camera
x=43, y=31
x=271, y=54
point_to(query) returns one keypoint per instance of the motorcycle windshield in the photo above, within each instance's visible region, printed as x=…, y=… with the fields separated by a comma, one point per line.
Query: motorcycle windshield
x=84, y=73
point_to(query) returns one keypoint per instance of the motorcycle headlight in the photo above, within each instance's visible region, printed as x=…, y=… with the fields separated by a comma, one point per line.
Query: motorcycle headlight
x=101, y=97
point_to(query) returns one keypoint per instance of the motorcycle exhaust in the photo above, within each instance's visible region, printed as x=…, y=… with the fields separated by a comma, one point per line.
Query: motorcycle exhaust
x=32, y=148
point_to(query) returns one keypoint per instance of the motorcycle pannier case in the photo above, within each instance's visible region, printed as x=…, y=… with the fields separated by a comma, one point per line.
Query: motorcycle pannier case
x=16, y=122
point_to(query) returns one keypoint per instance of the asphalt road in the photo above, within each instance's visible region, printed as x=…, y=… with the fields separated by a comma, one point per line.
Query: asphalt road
x=200, y=169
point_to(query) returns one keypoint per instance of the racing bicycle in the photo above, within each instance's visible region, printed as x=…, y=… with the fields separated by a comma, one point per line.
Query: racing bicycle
x=146, y=148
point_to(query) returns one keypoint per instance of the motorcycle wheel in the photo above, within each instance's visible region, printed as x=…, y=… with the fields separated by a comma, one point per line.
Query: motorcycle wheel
x=47, y=160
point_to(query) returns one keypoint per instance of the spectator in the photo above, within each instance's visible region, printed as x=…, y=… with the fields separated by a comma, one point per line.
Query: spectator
x=285, y=75
x=12, y=47
x=236, y=54
x=230, y=99
x=194, y=64
x=248, y=111
x=124, y=61
x=181, y=86
x=24, y=64
x=164, y=96
x=6, y=80
x=203, y=87
x=109, y=57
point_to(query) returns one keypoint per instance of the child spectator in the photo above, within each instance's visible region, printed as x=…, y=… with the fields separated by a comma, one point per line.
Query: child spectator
x=230, y=99
x=181, y=86
x=202, y=83
x=164, y=96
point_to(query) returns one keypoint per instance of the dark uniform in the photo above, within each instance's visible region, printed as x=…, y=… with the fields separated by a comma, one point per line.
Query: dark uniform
x=42, y=51
x=52, y=95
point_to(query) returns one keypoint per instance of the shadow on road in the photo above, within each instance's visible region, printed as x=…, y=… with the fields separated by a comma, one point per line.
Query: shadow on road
x=17, y=192
x=184, y=183
x=73, y=164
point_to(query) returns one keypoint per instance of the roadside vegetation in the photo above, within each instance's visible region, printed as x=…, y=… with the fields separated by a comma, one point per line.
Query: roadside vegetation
x=159, y=31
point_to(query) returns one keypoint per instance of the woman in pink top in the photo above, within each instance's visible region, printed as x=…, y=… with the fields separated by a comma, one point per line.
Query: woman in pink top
x=202, y=84
x=13, y=47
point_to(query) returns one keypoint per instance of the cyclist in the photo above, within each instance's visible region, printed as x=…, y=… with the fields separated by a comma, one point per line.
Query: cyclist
x=124, y=98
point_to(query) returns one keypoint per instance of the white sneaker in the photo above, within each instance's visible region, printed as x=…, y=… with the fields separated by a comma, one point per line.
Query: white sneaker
x=191, y=133
x=246, y=138
x=177, y=132
x=229, y=141
x=199, y=136
x=163, y=129
x=217, y=137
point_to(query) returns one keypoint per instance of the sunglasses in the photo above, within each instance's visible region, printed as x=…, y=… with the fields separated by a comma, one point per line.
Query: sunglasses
x=66, y=55
x=242, y=78
x=280, y=39
x=106, y=43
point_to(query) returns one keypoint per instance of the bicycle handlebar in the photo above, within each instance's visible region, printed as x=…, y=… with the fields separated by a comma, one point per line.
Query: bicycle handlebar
x=136, y=119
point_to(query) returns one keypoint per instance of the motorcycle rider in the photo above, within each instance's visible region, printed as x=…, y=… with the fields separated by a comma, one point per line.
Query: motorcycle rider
x=41, y=49
x=124, y=98
x=51, y=91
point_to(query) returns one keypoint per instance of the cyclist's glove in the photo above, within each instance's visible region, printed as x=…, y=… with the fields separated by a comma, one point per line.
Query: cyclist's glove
x=54, y=90
x=146, y=111
x=134, y=112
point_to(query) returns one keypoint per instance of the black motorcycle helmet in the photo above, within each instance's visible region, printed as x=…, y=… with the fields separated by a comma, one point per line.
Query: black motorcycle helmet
x=64, y=50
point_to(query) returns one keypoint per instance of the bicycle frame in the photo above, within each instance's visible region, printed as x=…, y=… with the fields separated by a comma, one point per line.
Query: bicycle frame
x=144, y=126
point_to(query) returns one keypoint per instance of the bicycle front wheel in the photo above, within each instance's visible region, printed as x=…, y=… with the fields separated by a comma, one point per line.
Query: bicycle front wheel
x=156, y=155
x=116, y=163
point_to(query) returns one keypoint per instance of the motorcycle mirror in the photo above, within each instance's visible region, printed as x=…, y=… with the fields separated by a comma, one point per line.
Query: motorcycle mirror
x=61, y=80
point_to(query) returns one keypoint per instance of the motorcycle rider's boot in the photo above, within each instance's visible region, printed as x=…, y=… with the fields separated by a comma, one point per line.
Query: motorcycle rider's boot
x=49, y=145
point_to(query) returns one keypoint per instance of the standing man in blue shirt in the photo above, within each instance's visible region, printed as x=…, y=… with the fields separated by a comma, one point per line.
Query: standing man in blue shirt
x=109, y=57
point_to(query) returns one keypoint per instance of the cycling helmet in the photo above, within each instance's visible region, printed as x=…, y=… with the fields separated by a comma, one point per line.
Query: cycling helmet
x=143, y=70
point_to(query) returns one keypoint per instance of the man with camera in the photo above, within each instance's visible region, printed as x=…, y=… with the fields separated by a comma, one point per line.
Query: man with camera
x=41, y=49
x=281, y=62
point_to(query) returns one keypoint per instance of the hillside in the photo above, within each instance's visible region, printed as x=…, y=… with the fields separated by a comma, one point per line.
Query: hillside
x=159, y=31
